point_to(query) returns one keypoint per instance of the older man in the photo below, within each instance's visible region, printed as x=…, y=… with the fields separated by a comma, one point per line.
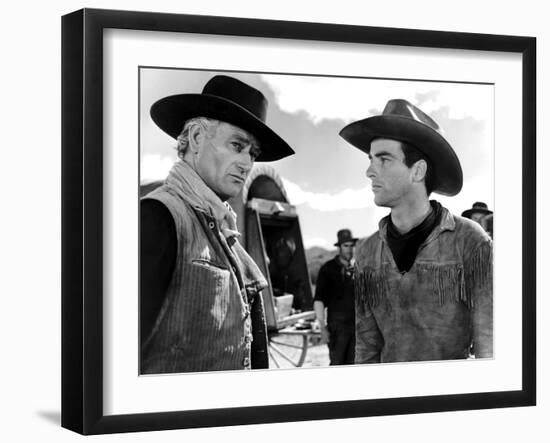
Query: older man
x=200, y=304
x=424, y=280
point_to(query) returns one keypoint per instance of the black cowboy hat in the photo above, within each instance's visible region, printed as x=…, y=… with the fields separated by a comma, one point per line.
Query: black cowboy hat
x=405, y=122
x=344, y=236
x=227, y=99
x=478, y=207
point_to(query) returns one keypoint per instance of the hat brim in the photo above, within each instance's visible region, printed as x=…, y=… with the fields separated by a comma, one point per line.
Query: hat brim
x=354, y=240
x=447, y=177
x=170, y=114
x=468, y=213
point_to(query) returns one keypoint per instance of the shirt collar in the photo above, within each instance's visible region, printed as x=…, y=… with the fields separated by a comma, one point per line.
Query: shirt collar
x=447, y=223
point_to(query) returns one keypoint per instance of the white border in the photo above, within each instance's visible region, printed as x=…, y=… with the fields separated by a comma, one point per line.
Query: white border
x=125, y=392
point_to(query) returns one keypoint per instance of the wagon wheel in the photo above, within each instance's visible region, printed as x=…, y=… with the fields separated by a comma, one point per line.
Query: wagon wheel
x=287, y=350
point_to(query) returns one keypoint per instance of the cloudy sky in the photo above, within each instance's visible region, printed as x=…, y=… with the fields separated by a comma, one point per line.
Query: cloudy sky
x=326, y=178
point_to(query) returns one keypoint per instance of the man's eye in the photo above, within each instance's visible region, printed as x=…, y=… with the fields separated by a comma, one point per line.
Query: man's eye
x=238, y=146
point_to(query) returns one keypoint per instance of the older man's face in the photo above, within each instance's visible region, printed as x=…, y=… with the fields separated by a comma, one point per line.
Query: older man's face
x=477, y=217
x=225, y=158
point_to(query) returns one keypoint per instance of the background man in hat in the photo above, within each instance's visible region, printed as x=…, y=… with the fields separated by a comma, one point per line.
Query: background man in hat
x=424, y=280
x=334, y=293
x=481, y=214
x=200, y=308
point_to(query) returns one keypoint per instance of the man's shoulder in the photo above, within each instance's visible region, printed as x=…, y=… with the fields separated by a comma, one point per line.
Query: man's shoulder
x=368, y=242
x=469, y=236
x=329, y=264
x=154, y=209
x=366, y=246
x=168, y=197
x=180, y=211
x=470, y=230
x=157, y=226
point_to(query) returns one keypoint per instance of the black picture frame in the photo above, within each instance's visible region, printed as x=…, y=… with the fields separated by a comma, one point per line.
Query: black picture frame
x=82, y=220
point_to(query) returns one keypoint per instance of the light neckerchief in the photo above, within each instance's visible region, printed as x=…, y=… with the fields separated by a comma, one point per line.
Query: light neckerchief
x=345, y=263
x=185, y=178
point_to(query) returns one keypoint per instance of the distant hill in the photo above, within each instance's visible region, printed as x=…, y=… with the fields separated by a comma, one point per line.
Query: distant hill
x=316, y=256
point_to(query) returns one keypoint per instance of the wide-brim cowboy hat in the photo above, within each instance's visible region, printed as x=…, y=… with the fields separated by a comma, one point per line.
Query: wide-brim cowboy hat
x=227, y=99
x=477, y=207
x=405, y=122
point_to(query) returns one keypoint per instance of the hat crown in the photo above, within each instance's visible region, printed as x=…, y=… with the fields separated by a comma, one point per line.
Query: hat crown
x=403, y=108
x=477, y=208
x=344, y=235
x=238, y=92
x=479, y=205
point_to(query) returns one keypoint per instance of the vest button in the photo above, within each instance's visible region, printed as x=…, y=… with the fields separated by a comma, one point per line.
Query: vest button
x=211, y=225
x=246, y=362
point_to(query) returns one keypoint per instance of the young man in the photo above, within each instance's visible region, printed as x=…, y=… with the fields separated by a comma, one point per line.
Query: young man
x=334, y=293
x=200, y=305
x=424, y=280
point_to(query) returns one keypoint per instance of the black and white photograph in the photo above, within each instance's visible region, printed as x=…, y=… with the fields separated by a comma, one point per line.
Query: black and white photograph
x=286, y=221
x=275, y=222
x=302, y=221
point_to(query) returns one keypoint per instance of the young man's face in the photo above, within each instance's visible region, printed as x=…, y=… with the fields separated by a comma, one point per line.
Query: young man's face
x=224, y=159
x=391, y=178
x=346, y=250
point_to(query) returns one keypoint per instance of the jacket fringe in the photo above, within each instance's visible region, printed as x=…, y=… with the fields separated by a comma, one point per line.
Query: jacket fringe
x=453, y=282
x=371, y=286
x=479, y=268
x=448, y=283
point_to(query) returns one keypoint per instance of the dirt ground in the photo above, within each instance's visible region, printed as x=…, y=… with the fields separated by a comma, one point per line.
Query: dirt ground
x=286, y=350
x=317, y=355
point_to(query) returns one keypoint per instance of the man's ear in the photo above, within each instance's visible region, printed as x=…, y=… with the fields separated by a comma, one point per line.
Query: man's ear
x=196, y=138
x=419, y=170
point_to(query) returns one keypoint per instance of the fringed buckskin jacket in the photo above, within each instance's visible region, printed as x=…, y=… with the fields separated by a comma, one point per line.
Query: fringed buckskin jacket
x=212, y=317
x=441, y=309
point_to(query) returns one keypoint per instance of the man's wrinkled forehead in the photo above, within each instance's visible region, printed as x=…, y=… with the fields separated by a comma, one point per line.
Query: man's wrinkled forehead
x=242, y=134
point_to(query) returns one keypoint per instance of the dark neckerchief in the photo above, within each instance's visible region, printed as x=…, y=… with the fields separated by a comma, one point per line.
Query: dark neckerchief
x=404, y=247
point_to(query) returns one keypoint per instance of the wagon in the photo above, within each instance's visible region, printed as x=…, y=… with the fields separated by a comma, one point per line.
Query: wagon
x=271, y=234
